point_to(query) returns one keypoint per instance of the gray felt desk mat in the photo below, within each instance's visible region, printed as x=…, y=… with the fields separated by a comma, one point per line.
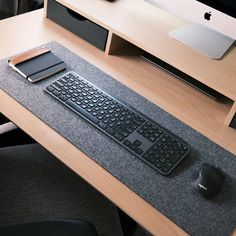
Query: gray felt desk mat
x=174, y=196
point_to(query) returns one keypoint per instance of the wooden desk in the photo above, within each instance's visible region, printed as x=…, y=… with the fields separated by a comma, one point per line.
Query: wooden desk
x=197, y=110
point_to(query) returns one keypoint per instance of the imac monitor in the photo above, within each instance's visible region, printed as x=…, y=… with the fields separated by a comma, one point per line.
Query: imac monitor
x=212, y=28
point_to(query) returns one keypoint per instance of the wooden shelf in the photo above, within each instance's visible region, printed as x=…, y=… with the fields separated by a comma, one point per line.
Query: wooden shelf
x=147, y=27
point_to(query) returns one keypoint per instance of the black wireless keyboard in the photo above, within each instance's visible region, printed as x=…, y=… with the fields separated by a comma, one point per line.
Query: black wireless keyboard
x=149, y=141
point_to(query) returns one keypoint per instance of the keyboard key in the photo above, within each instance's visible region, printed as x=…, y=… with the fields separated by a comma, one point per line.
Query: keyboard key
x=121, y=131
x=119, y=136
x=102, y=125
x=63, y=98
x=133, y=147
x=127, y=143
x=56, y=93
x=137, y=142
x=166, y=167
x=55, y=85
x=149, y=158
x=110, y=131
x=50, y=88
x=139, y=151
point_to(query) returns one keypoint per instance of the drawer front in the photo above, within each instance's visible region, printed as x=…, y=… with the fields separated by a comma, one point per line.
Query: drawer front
x=77, y=24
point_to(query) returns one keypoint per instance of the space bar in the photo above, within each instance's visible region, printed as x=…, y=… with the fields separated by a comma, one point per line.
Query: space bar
x=82, y=111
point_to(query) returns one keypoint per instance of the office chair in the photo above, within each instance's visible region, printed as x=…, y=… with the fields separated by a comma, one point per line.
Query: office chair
x=41, y=196
x=11, y=135
x=9, y=8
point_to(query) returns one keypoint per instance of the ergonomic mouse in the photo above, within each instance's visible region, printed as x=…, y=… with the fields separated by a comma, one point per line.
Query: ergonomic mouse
x=209, y=181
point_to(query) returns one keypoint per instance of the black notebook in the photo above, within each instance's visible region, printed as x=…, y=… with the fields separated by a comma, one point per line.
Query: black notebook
x=37, y=64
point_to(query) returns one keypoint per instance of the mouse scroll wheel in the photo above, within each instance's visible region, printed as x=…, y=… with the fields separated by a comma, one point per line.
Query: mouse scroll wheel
x=203, y=187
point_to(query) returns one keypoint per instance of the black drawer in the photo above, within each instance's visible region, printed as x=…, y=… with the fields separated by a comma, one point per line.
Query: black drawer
x=77, y=24
x=233, y=122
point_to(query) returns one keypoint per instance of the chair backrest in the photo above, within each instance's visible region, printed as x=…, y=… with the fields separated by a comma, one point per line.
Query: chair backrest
x=59, y=227
x=15, y=7
x=11, y=135
x=7, y=127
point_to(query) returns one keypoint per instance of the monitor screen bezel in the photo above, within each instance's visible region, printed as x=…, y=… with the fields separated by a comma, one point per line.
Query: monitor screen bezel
x=220, y=7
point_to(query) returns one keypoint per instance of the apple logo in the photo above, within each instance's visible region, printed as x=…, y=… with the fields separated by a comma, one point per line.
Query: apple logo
x=207, y=15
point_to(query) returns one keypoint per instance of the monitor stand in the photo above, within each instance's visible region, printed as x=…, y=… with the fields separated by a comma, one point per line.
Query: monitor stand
x=203, y=39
